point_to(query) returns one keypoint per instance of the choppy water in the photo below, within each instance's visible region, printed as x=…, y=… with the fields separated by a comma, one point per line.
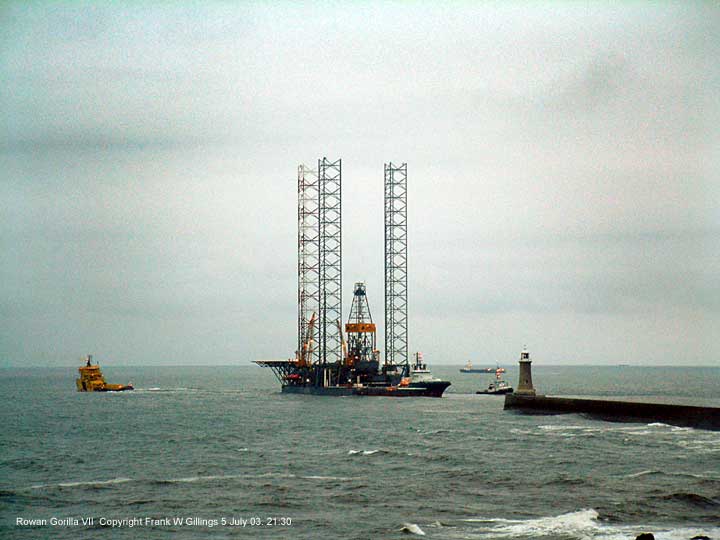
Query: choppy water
x=213, y=443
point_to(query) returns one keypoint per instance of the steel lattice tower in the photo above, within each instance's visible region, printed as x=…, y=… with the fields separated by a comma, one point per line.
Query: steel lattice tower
x=308, y=251
x=396, y=301
x=330, y=294
x=360, y=328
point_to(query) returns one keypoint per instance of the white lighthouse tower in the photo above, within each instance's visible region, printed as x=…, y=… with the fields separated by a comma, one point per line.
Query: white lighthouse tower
x=525, y=385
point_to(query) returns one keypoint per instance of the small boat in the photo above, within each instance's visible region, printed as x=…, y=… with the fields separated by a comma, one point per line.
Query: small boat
x=498, y=386
x=92, y=380
x=470, y=369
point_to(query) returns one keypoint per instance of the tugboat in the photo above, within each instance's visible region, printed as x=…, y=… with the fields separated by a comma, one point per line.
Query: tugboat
x=92, y=380
x=422, y=378
x=498, y=386
x=470, y=369
x=358, y=370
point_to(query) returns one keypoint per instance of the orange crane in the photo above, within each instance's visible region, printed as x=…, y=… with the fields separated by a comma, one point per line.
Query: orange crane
x=308, y=345
x=345, y=358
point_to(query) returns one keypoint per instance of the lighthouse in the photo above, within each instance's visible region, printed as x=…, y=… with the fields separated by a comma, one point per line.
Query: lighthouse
x=525, y=385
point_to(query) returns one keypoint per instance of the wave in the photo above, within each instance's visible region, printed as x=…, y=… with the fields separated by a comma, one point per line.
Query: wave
x=181, y=480
x=655, y=472
x=366, y=452
x=640, y=474
x=392, y=453
x=435, y=432
x=669, y=427
x=412, y=528
x=582, y=524
x=567, y=524
x=634, y=427
x=191, y=479
x=330, y=478
x=693, y=499
x=84, y=483
x=222, y=477
x=565, y=481
x=702, y=445
x=699, y=441
x=90, y=483
x=558, y=427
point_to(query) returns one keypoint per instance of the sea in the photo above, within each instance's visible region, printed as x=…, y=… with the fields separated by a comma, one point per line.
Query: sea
x=198, y=452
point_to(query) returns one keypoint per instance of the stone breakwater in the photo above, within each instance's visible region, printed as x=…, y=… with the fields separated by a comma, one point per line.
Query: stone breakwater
x=619, y=411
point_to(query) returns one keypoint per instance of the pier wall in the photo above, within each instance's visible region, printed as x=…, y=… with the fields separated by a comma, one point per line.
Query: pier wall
x=619, y=411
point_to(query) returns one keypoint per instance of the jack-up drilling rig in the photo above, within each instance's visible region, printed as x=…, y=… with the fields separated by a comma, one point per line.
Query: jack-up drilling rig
x=325, y=363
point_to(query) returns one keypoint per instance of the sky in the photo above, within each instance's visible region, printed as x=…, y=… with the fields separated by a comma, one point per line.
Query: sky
x=563, y=166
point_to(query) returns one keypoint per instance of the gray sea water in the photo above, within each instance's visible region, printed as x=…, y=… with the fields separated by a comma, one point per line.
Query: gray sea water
x=203, y=444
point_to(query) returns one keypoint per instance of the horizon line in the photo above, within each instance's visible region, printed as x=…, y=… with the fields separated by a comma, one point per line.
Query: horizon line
x=251, y=364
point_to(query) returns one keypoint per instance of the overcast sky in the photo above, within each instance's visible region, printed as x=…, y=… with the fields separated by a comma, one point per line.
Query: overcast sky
x=563, y=175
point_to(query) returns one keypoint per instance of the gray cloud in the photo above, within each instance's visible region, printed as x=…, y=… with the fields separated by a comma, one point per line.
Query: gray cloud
x=563, y=175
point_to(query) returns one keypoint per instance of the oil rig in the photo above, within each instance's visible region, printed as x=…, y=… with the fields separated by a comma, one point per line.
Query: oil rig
x=327, y=362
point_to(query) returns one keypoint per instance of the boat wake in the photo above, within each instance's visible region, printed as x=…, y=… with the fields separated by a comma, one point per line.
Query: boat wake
x=178, y=390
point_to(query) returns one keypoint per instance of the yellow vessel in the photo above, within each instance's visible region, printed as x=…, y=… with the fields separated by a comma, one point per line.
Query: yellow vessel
x=92, y=380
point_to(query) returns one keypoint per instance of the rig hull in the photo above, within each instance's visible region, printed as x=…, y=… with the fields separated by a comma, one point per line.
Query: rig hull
x=426, y=389
x=114, y=388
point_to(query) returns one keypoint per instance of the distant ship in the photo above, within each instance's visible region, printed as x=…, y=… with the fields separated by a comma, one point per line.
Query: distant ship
x=470, y=369
x=92, y=380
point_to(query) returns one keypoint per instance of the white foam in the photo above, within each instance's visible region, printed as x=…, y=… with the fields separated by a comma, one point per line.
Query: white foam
x=641, y=473
x=84, y=483
x=704, y=476
x=412, y=528
x=556, y=427
x=573, y=524
x=328, y=478
x=190, y=479
x=213, y=477
x=701, y=445
x=581, y=525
